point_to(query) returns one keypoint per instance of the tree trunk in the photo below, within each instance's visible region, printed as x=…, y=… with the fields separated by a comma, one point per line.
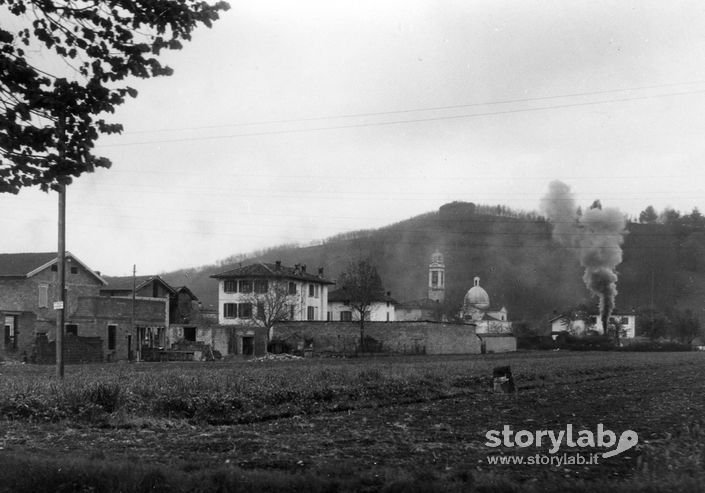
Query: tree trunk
x=362, y=334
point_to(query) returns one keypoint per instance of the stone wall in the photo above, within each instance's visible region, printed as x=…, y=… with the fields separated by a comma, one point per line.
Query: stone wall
x=95, y=314
x=392, y=337
x=77, y=350
x=20, y=297
x=495, y=343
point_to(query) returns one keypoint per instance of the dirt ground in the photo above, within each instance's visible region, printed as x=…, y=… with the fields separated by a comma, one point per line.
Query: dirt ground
x=441, y=437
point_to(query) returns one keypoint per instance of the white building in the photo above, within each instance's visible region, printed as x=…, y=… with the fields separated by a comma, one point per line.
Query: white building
x=564, y=324
x=476, y=309
x=340, y=310
x=241, y=290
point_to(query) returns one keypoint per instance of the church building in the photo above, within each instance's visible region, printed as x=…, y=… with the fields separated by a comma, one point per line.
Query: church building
x=429, y=308
x=476, y=309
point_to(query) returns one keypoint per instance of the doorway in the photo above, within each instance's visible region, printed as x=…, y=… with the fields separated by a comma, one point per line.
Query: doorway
x=248, y=346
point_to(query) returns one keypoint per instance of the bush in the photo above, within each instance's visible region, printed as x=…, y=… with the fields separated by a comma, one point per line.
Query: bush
x=586, y=343
x=536, y=342
x=655, y=346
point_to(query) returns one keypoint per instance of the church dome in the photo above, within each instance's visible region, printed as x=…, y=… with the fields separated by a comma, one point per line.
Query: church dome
x=477, y=297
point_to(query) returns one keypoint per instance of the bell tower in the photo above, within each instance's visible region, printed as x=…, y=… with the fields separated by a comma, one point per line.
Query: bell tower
x=437, y=278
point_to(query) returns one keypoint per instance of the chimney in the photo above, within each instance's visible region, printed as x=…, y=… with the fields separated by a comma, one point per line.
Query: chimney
x=303, y=268
x=296, y=268
x=97, y=273
x=320, y=272
x=278, y=265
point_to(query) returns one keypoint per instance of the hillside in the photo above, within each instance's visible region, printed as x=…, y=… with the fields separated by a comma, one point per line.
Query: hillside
x=519, y=264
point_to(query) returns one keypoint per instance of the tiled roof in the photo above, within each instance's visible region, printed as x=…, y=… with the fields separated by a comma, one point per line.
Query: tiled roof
x=422, y=304
x=267, y=270
x=342, y=295
x=125, y=283
x=21, y=264
x=24, y=265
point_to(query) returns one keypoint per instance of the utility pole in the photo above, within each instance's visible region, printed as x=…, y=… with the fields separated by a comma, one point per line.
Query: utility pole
x=138, y=344
x=61, y=261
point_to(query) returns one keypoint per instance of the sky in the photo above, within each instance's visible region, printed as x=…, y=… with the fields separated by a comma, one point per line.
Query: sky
x=290, y=122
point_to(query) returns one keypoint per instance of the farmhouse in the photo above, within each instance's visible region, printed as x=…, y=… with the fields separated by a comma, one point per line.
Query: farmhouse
x=566, y=324
x=381, y=309
x=28, y=289
x=252, y=298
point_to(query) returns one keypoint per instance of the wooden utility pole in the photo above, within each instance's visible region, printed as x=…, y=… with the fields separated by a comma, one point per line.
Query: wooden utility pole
x=138, y=347
x=60, y=304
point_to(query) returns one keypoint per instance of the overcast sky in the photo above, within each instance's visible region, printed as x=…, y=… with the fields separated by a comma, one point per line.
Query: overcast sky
x=294, y=121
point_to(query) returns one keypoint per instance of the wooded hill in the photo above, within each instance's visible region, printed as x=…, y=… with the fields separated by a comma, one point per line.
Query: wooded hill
x=519, y=264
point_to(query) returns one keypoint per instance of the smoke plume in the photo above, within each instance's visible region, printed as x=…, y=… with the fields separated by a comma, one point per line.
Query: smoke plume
x=596, y=236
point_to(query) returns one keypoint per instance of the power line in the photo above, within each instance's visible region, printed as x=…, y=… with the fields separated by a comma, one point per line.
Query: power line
x=402, y=122
x=416, y=110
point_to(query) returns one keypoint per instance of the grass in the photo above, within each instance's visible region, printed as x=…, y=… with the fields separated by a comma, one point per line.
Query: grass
x=180, y=402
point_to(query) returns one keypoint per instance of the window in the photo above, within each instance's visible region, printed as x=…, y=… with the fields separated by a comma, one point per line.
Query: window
x=292, y=288
x=261, y=286
x=54, y=268
x=292, y=312
x=260, y=310
x=71, y=330
x=311, y=313
x=230, y=286
x=329, y=316
x=245, y=286
x=43, y=295
x=313, y=290
x=387, y=316
x=230, y=310
x=190, y=334
x=346, y=316
x=112, y=330
x=244, y=310
x=10, y=332
x=624, y=321
x=434, y=278
x=74, y=270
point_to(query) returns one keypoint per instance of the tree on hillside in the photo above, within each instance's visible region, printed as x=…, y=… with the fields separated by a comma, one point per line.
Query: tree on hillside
x=362, y=283
x=652, y=323
x=669, y=216
x=648, y=215
x=53, y=102
x=686, y=327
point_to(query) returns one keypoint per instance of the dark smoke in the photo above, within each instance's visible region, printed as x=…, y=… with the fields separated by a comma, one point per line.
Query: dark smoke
x=596, y=236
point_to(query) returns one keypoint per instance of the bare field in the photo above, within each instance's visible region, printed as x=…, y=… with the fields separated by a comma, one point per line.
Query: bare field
x=385, y=424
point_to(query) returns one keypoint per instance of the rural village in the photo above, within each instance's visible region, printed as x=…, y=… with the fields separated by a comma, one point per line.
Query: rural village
x=262, y=307
x=411, y=246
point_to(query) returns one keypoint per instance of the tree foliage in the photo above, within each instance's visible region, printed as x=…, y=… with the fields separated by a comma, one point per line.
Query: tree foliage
x=648, y=215
x=363, y=285
x=272, y=306
x=54, y=103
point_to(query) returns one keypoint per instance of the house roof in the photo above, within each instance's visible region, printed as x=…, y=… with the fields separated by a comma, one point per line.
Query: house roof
x=125, y=283
x=184, y=289
x=268, y=271
x=422, y=304
x=24, y=265
x=342, y=295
